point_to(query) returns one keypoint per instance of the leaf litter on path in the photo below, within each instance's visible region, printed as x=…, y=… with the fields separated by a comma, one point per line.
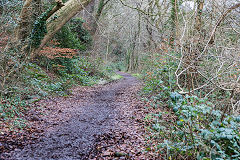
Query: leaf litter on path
x=100, y=122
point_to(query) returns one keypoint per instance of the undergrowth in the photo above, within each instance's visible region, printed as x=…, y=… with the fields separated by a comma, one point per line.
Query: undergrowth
x=73, y=35
x=12, y=112
x=183, y=126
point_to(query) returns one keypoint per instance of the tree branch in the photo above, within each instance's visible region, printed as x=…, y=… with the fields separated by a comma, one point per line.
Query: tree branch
x=56, y=8
x=211, y=41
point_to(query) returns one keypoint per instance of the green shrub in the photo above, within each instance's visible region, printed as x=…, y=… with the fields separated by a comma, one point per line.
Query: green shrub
x=193, y=128
x=159, y=78
x=76, y=26
x=38, y=82
x=197, y=130
x=77, y=70
x=69, y=39
x=185, y=127
x=73, y=35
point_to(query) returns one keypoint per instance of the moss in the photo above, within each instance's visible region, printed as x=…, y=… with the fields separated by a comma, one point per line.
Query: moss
x=116, y=77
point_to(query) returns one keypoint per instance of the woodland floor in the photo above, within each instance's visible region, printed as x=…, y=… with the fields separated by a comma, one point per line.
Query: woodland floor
x=100, y=122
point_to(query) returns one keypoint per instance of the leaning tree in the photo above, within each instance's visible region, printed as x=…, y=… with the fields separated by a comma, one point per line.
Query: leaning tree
x=47, y=24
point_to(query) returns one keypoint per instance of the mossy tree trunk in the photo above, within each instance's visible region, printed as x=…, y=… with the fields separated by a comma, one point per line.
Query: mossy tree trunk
x=56, y=21
x=22, y=30
x=198, y=23
x=151, y=42
x=30, y=12
x=88, y=14
x=173, y=21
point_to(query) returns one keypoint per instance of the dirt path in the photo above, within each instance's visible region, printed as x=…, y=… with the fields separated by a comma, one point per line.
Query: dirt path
x=93, y=123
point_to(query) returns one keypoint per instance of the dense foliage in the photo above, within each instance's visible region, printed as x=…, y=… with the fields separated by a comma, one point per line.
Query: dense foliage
x=74, y=35
x=183, y=125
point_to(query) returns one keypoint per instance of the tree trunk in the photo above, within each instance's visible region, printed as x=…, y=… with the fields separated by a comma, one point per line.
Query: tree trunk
x=88, y=14
x=198, y=23
x=149, y=26
x=193, y=61
x=31, y=10
x=212, y=37
x=23, y=28
x=134, y=55
x=60, y=18
x=173, y=18
x=101, y=5
x=1, y=9
x=37, y=9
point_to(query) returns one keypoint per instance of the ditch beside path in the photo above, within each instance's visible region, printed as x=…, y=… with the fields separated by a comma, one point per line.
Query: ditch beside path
x=100, y=122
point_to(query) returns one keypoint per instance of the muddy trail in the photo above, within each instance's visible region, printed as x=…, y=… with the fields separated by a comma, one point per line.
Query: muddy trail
x=101, y=122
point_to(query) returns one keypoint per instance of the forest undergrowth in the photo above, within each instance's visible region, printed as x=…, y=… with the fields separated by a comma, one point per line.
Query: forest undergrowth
x=185, y=126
